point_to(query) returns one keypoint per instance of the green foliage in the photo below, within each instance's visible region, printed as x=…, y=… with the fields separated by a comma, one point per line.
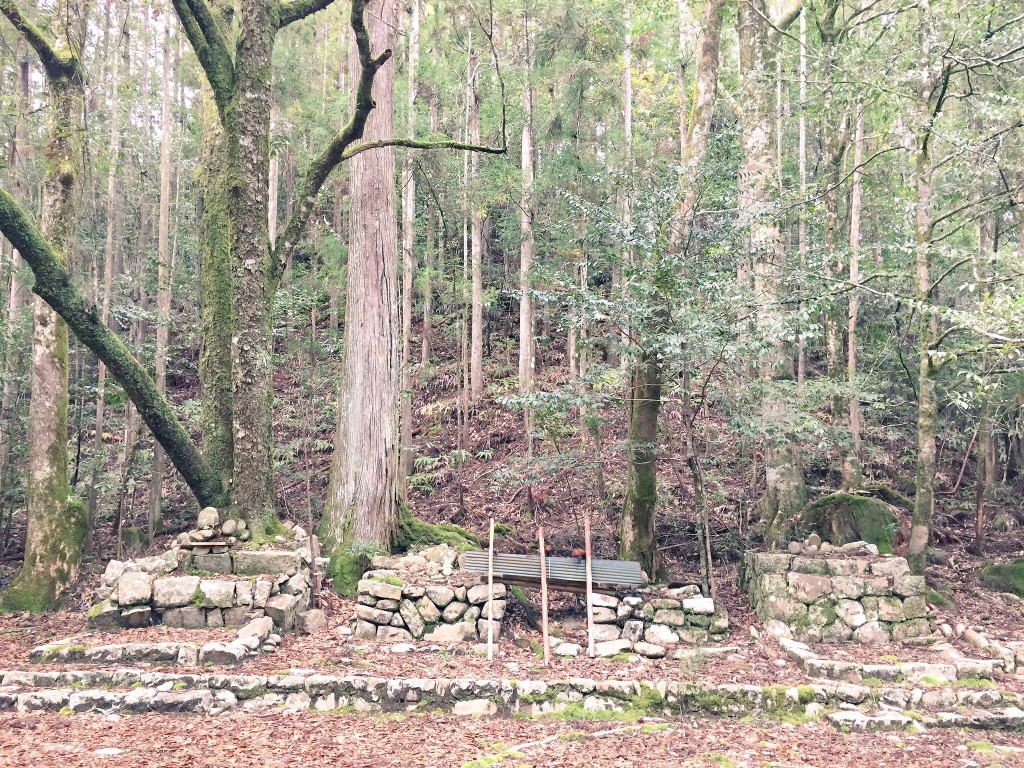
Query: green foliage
x=412, y=533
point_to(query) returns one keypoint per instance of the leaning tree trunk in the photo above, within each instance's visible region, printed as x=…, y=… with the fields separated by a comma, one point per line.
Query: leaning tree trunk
x=361, y=511
x=56, y=521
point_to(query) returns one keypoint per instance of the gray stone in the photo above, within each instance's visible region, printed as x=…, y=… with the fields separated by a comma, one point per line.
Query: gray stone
x=807, y=587
x=599, y=600
x=380, y=589
x=229, y=527
x=374, y=615
x=296, y=585
x=482, y=628
x=136, y=616
x=699, y=605
x=440, y=596
x=660, y=634
x=650, y=650
x=850, y=587
x=208, y=518
x=364, y=630
x=633, y=631
x=452, y=633
x=605, y=615
x=604, y=632
x=281, y=608
x=472, y=613
x=844, y=566
x=412, y=618
x=260, y=628
x=272, y=561
x=784, y=609
x=261, y=593
x=212, y=563
x=214, y=617
x=611, y=648
x=174, y=591
x=908, y=629
x=915, y=607
x=453, y=611
x=851, y=613
x=217, y=593
x=670, y=617
x=134, y=588
x=890, y=609
x=104, y=617
x=871, y=632
x=222, y=654
x=393, y=635
x=810, y=565
x=568, y=650
x=114, y=570
x=908, y=585
x=890, y=567
x=428, y=610
x=311, y=621
x=243, y=593
x=478, y=595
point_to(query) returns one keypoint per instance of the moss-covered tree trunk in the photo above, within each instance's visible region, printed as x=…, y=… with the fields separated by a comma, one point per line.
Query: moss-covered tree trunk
x=361, y=510
x=56, y=522
x=636, y=532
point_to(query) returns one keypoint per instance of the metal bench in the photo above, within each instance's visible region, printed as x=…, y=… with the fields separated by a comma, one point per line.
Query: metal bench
x=566, y=574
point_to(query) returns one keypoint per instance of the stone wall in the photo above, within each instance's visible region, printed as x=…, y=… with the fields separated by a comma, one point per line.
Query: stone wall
x=234, y=588
x=650, y=621
x=836, y=597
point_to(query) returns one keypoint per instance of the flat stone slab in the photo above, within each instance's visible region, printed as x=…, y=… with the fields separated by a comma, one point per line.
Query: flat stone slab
x=254, y=562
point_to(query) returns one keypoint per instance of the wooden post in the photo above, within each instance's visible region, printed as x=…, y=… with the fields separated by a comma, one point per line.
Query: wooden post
x=543, y=594
x=590, y=585
x=314, y=571
x=490, y=593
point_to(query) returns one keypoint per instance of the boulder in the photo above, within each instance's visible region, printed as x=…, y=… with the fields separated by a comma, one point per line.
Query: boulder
x=482, y=627
x=212, y=563
x=479, y=594
x=602, y=615
x=568, y=650
x=453, y=611
x=261, y=628
x=633, y=631
x=208, y=518
x=222, y=654
x=229, y=527
x=851, y=613
x=604, y=601
x=214, y=617
x=452, y=633
x=217, y=593
x=871, y=632
x=605, y=632
x=440, y=596
x=611, y=648
x=174, y=591
x=890, y=566
x=104, y=617
x=364, y=630
x=261, y=593
x=650, y=650
x=428, y=610
x=393, y=635
x=699, y=605
x=412, y=618
x=660, y=634
x=136, y=616
x=373, y=615
x=670, y=617
x=281, y=608
x=311, y=621
x=807, y=587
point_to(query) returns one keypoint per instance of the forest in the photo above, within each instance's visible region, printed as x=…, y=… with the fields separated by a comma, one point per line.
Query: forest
x=689, y=280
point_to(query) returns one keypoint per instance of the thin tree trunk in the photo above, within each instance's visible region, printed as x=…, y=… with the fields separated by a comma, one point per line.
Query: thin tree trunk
x=476, y=218
x=360, y=515
x=852, y=470
x=163, y=291
x=408, y=259
x=526, y=340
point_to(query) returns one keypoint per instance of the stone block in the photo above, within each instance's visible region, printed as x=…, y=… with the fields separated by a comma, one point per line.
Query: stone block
x=908, y=629
x=431, y=615
x=871, y=632
x=699, y=605
x=633, y=631
x=890, y=567
x=261, y=593
x=605, y=615
x=472, y=613
x=846, y=566
x=208, y=518
x=836, y=632
x=311, y=622
x=364, y=630
x=217, y=593
x=252, y=562
x=214, y=617
x=243, y=593
x=373, y=615
x=499, y=611
x=663, y=603
x=380, y=589
x=915, y=607
x=670, y=617
x=661, y=634
x=807, y=587
x=482, y=629
x=174, y=591
x=212, y=563
x=104, y=617
x=821, y=613
x=810, y=565
x=610, y=648
x=877, y=585
x=890, y=609
x=296, y=585
x=384, y=605
x=650, y=650
x=599, y=600
x=784, y=609
x=134, y=588
x=453, y=611
x=604, y=632
x=440, y=596
x=771, y=562
x=848, y=587
x=281, y=608
x=851, y=613
x=908, y=585
x=222, y=654
x=259, y=628
x=452, y=633
x=136, y=616
x=411, y=617
x=478, y=595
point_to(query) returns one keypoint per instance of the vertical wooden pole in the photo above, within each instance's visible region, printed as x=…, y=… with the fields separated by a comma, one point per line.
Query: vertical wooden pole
x=590, y=585
x=490, y=593
x=314, y=571
x=543, y=594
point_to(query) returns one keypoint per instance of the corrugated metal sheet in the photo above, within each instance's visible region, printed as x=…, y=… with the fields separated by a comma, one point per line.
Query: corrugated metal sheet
x=561, y=569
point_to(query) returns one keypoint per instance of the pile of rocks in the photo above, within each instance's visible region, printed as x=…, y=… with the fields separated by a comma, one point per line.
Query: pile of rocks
x=836, y=597
x=422, y=596
x=651, y=621
x=813, y=545
x=210, y=536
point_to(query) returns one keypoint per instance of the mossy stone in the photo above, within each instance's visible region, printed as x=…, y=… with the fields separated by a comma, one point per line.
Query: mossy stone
x=841, y=518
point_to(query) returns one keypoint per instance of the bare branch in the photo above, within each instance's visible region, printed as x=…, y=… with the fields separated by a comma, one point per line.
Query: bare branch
x=355, y=149
x=296, y=10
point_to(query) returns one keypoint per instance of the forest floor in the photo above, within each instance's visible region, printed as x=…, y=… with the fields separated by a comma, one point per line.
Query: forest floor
x=282, y=740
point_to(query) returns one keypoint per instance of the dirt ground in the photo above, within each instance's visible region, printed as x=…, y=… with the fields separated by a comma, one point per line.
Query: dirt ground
x=280, y=741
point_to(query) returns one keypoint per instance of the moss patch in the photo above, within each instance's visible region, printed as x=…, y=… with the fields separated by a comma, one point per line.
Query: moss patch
x=416, y=533
x=1005, y=577
x=841, y=518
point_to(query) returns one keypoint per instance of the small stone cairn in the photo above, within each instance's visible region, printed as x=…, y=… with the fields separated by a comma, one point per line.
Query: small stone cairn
x=420, y=596
x=210, y=536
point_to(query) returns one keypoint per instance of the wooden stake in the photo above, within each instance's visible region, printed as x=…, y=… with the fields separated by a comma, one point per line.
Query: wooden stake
x=490, y=594
x=543, y=594
x=590, y=586
x=314, y=571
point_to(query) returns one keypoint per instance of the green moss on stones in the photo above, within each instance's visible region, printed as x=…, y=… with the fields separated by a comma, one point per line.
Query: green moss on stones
x=841, y=518
x=416, y=533
x=1005, y=577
